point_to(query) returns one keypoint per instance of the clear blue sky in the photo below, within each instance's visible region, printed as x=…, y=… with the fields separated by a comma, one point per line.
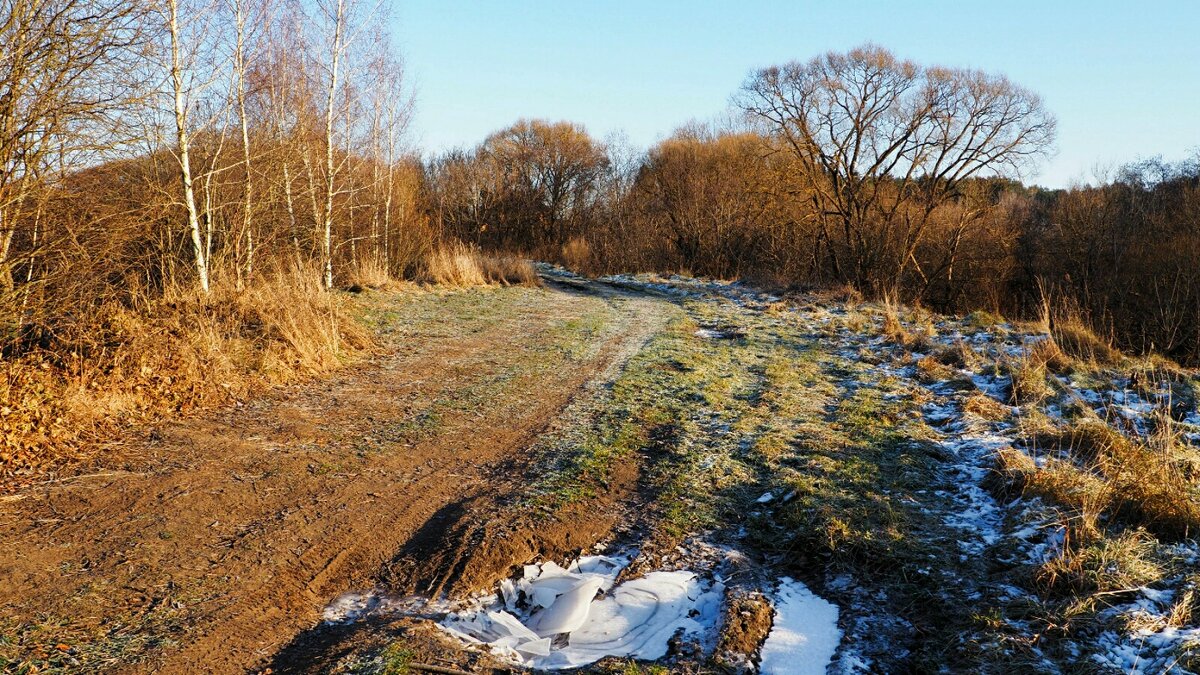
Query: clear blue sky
x=1123, y=78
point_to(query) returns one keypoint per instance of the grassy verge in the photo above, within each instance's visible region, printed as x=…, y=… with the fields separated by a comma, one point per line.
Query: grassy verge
x=78, y=381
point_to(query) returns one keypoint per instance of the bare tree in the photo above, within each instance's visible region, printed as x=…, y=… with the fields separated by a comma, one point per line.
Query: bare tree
x=60, y=95
x=550, y=173
x=186, y=84
x=252, y=13
x=883, y=143
x=391, y=109
x=332, y=17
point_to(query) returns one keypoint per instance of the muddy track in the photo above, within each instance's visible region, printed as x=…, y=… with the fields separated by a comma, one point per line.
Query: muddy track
x=240, y=527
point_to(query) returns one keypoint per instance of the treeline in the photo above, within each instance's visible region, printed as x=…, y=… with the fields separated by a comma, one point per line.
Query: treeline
x=854, y=169
x=1126, y=253
x=210, y=144
x=197, y=143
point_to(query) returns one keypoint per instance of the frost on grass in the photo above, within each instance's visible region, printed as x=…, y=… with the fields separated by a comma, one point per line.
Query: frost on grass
x=818, y=421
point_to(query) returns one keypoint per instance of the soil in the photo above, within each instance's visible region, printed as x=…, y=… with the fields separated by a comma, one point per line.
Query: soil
x=748, y=621
x=215, y=541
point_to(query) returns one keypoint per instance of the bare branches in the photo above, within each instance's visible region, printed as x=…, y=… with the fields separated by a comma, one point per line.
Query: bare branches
x=883, y=143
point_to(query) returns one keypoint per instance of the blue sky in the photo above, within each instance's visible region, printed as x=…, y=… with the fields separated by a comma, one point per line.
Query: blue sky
x=1123, y=78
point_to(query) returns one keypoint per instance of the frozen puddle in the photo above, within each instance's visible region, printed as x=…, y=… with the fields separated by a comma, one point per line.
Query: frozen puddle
x=805, y=634
x=552, y=618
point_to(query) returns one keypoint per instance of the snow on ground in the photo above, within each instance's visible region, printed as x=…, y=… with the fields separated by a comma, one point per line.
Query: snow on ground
x=805, y=634
x=551, y=618
x=1151, y=650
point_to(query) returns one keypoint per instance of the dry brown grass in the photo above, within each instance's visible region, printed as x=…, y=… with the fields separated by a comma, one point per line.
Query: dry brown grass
x=1015, y=473
x=1088, y=563
x=509, y=271
x=1028, y=382
x=167, y=355
x=843, y=294
x=931, y=371
x=959, y=355
x=460, y=265
x=371, y=273
x=455, y=264
x=1079, y=341
x=985, y=407
x=577, y=256
x=915, y=336
x=1103, y=471
x=1049, y=354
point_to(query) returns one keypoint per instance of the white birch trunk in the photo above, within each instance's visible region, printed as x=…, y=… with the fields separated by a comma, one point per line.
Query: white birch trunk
x=182, y=138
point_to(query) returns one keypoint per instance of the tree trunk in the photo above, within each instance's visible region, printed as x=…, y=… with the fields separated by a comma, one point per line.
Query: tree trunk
x=331, y=95
x=181, y=136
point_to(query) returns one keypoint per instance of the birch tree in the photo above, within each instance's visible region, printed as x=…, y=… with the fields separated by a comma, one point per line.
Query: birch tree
x=246, y=14
x=339, y=24
x=391, y=108
x=184, y=35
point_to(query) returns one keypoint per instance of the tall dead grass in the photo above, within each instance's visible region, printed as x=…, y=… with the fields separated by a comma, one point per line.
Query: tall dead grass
x=1096, y=471
x=370, y=272
x=172, y=353
x=461, y=265
x=1072, y=333
x=916, y=334
x=577, y=256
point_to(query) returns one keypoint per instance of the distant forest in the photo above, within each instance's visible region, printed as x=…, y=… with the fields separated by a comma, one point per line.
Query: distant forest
x=200, y=149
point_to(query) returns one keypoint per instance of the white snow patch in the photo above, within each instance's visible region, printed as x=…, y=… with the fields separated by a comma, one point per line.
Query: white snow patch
x=805, y=635
x=552, y=619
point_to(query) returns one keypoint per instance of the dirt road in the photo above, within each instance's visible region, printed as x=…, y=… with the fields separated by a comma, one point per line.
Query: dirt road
x=214, y=540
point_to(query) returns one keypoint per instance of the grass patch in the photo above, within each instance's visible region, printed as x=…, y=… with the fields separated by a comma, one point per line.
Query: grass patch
x=1089, y=563
x=1079, y=341
x=456, y=264
x=1028, y=382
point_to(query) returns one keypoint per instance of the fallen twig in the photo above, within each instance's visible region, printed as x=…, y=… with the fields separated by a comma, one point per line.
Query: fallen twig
x=437, y=669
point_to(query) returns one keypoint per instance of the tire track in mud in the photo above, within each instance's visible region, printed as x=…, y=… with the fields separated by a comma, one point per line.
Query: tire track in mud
x=246, y=524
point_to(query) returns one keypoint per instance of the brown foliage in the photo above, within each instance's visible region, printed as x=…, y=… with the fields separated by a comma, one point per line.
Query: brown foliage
x=169, y=352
